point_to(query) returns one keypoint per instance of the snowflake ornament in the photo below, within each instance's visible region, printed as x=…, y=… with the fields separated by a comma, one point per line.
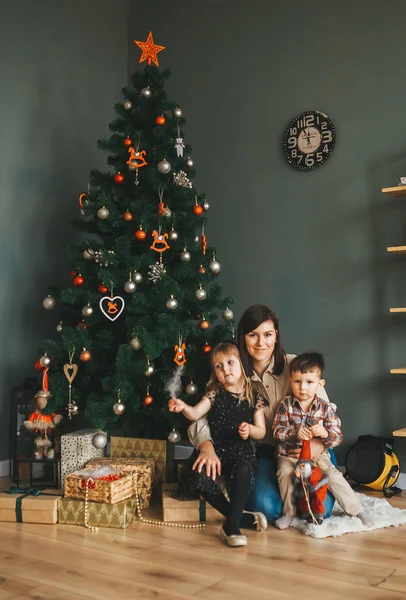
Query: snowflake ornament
x=156, y=271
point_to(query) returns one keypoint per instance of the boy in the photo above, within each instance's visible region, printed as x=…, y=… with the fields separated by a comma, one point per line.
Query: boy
x=303, y=416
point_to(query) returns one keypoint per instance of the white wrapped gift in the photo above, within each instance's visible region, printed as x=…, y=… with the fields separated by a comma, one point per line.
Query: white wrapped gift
x=76, y=450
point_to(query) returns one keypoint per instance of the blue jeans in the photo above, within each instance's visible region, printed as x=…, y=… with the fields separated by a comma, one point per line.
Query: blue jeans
x=265, y=496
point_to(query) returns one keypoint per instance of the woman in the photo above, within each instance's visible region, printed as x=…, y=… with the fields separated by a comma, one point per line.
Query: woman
x=267, y=364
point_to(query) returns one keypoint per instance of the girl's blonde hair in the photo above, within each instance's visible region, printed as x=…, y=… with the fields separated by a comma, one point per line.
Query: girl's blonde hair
x=213, y=385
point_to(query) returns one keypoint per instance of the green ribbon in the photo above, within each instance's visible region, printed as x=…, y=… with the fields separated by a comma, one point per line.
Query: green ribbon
x=24, y=492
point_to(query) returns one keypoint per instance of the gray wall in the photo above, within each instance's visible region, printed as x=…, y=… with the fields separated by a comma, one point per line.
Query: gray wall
x=62, y=67
x=310, y=245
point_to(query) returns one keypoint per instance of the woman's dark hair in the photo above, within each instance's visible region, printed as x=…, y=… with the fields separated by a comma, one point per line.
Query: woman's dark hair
x=251, y=319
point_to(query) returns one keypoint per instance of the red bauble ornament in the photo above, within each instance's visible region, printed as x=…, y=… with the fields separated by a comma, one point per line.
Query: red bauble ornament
x=127, y=216
x=204, y=325
x=202, y=270
x=85, y=355
x=197, y=209
x=160, y=120
x=206, y=348
x=118, y=178
x=73, y=273
x=140, y=234
x=128, y=141
x=103, y=289
x=83, y=325
x=79, y=280
x=148, y=400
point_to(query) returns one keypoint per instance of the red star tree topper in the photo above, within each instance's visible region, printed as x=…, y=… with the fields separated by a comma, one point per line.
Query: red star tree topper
x=149, y=50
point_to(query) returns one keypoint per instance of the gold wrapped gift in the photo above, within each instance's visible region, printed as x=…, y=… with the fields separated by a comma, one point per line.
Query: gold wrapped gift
x=187, y=510
x=159, y=450
x=29, y=505
x=143, y=467
x=119, y=516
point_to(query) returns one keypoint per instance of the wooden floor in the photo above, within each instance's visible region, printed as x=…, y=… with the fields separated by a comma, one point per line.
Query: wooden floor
x=61, y=562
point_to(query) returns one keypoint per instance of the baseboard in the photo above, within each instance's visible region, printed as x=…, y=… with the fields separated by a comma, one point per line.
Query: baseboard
x=4, y=467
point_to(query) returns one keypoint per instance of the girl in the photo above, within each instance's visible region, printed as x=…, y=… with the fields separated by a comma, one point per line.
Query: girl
x=234, y=414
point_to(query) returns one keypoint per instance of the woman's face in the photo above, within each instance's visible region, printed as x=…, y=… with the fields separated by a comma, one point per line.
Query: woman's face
x=261, y=342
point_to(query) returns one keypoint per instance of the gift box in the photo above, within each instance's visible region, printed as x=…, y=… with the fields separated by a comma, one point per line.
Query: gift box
x=100, y=484
x=187, y=510
x=76, y=450
x=159, y=450
x=119, y=516
x=29, y=505
x=144, y=469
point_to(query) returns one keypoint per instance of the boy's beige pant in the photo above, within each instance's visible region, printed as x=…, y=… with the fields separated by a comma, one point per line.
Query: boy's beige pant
x=338, y=486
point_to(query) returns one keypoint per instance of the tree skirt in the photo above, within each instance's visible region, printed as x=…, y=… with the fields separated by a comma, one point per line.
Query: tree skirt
x=383, y=513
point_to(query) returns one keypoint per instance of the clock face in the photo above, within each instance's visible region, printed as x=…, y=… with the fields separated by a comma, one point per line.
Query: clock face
x=309, y=140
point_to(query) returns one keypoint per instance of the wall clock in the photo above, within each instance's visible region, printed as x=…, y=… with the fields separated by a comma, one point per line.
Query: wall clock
x=309, y=140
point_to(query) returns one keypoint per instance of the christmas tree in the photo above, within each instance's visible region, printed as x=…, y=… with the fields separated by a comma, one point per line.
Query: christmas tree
x=139, y=321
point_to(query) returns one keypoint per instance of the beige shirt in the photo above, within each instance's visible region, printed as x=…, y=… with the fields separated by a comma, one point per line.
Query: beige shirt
x=273, y=387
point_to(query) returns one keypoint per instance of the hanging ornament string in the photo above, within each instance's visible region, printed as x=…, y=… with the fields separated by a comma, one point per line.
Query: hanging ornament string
x=70, y=370
x=156, y=521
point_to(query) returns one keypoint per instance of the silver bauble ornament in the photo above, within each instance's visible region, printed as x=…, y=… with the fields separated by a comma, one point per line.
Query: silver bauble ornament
x=136, y=343
x=164, y=166
x=189, y=162
x=173, y=235
x=48, y=303
x=59, y=327
x=197, y=239
x=99, y=440
x=228, y=314
x=146, y=92
x=168, y=212
x=177, y=112
x=103, y=213
x=201, y=294
x=128, y=105
x=174, y=436
x=215, y=267
x=206, y=206
x=172, y=303
x=87, y=310
x=150, y=370
x=131, y=168
x=88, y=254
x=130, y=286
x=137, y=277
x=45, y=361
x=73, y=409
x=185, y=256
x=191, y=388
x=118, y=408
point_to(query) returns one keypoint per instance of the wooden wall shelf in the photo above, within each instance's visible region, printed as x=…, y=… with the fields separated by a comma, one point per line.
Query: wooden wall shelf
x=398, y=371
x=399, y=432
x=398, y=310
x=396, y=192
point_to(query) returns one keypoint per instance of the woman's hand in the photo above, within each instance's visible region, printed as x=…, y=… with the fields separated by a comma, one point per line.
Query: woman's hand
x=244, y=430
x=207, y=459
x=175, y=405
x=304, y=434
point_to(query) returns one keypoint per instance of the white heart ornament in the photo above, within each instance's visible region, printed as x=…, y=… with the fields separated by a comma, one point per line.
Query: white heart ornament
x=113, y=309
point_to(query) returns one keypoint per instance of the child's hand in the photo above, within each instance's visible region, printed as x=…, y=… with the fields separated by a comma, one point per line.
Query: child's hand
x=244, y=431
x=175, y=405
x=319, y=431
x=304, y=434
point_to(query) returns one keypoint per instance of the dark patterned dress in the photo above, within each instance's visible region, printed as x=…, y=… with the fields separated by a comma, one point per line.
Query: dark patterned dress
x=225, y=416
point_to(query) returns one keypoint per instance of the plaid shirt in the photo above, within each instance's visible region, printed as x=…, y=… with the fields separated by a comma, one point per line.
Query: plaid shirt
x=290, y=417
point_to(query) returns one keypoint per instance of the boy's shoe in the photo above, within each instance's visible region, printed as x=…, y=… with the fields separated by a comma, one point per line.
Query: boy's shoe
x=366, y=519
x=233, y=540
x=259, y=520
x=283, y=522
